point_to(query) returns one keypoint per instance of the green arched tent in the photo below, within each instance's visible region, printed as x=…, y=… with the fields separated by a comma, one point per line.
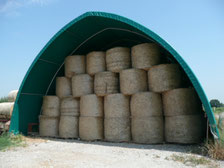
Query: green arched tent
x=90, y=31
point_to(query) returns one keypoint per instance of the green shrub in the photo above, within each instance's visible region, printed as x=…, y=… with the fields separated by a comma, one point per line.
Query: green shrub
x=218, y=110
x=3, y=99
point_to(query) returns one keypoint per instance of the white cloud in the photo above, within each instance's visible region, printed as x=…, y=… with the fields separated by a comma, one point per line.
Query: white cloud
x=12, y=6
x=40, y=2
x=9, y=5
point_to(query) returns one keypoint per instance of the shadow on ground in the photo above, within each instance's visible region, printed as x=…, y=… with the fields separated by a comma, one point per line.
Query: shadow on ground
x=192, y=148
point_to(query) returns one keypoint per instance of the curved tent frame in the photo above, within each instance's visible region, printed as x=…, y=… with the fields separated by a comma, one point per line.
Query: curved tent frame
x=88, y=32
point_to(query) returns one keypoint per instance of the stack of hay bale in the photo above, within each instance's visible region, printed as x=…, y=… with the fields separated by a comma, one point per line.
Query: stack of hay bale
x=49, y=119
x=69, y=119
x=184, y=121
x=126, y=95
x=116, y=105
x=91, y=117
x=6, y=109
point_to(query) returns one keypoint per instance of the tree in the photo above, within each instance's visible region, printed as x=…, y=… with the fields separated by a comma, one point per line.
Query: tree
x=216, y=103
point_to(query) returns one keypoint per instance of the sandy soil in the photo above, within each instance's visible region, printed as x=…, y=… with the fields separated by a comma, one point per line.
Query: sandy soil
x=79, y=154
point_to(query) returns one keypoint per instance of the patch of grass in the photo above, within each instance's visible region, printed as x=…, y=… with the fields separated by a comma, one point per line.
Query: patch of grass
x=3, y=99
x=190, y=160
x=218, y=110
x=216, y=150
x=211, y=149
x=9, y=140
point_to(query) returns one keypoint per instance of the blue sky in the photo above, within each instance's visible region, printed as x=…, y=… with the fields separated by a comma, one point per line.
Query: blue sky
x=194, y=28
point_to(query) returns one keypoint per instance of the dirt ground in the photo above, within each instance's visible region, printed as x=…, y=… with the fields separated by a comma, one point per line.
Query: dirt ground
x=58, y=153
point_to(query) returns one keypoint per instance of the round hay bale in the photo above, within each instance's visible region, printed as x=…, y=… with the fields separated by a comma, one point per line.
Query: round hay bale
x=12, y=95
x=82, y=85
x=117, y=129
x=75, y=64
x=216, y=118
x=116, y=105
x=91, y=128
x=118, y=58
x=51, y=106
x=186, y=129
x=106, y=83
x=164, y=77
x=6, y=109
x=91, y=106
x=133, y=81
x=145, y=55
x=148, y=130
x=146, y=104
x=48, y=126
x=68, y=126
x=96, y=62
x=70, y=106
x=183, y=101
x=63, y=87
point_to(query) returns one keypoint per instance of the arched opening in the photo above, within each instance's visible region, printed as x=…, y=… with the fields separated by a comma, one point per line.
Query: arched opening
x=90, y=31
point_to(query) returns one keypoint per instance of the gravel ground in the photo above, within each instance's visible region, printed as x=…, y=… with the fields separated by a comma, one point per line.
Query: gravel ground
x=79, y=154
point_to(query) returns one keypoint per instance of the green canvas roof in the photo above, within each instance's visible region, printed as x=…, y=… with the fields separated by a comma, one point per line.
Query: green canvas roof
x=89, y=32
